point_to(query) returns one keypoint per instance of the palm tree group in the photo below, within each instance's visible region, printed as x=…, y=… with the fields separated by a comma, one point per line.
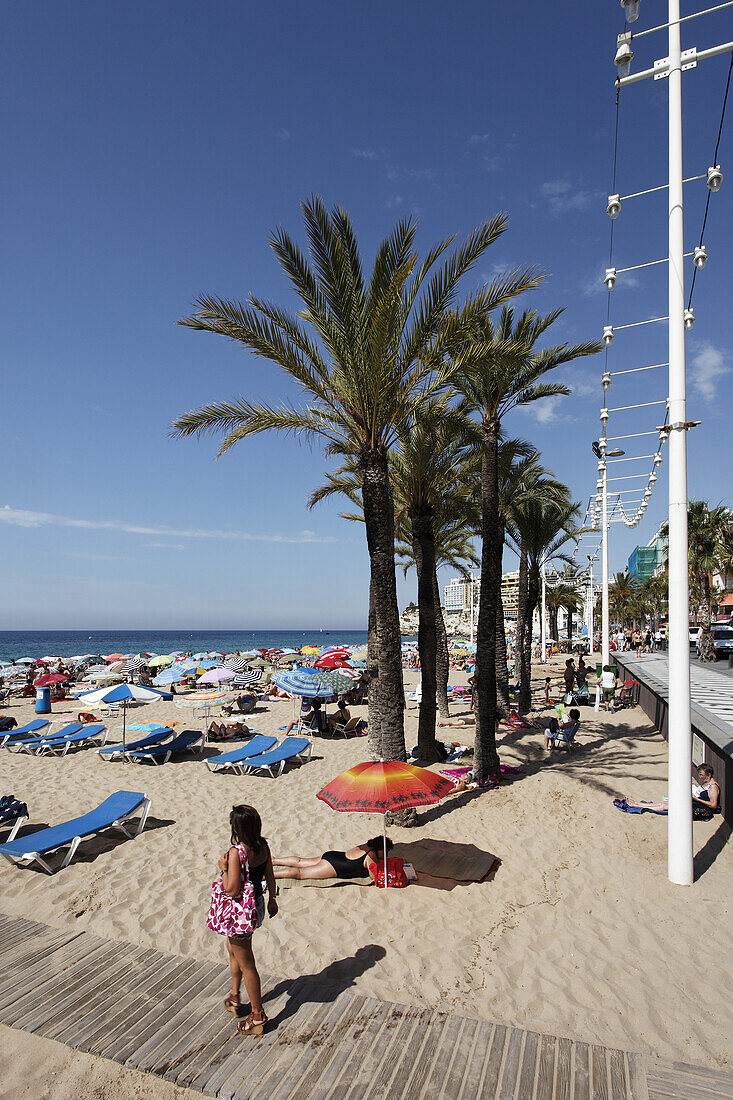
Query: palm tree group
x=407, y=387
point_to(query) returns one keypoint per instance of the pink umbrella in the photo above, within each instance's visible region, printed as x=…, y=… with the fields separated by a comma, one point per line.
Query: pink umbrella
x=216, y=675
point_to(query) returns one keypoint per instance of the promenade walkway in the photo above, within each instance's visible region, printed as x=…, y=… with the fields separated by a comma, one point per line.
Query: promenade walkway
x=163, y=1014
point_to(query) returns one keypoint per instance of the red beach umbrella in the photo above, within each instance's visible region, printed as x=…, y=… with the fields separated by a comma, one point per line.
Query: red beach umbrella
x=329, y=660
x=51, y=678
x=384, y=786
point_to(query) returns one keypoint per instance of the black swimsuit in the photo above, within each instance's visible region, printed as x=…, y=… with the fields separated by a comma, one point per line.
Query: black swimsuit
x=346, y=868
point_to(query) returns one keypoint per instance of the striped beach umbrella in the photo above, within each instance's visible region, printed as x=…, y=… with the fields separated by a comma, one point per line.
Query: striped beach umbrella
x=134, y=664
x=245, y=679
x=305, y=682
x=237, y=664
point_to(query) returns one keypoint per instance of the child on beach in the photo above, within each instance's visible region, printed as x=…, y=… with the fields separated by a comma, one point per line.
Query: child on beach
x=548, y=700
x=246, y=826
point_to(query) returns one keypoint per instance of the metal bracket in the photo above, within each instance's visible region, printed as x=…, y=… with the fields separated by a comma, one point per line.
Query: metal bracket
x=678, y=426
x=689, y=61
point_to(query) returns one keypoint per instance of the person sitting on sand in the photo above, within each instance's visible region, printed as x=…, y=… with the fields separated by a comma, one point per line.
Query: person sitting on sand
x=310, y=719
x=707, y=796
x=353, y=863
x=563, y=730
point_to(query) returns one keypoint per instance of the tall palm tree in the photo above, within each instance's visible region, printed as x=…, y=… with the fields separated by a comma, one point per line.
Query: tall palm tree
x=545, y=523
x=710, y=535
x=365, y=354
x=497, y=370
x=621, y=593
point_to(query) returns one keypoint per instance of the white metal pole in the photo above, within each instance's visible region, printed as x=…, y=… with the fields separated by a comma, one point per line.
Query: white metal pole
x=590, y=609
x=544, y=629
x=471, y=588
x=605, y=647
x=679, y=821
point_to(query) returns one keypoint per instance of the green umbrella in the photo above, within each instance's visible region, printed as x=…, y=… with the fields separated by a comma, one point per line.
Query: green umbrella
x=339, y=679
x=287, y=658
x=157, y=662
x=258, y=663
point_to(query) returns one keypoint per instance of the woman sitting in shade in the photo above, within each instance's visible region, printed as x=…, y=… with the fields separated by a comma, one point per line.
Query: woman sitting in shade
x=353, y=863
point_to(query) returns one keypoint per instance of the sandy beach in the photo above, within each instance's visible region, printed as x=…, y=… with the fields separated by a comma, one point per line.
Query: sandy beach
x=578, y=933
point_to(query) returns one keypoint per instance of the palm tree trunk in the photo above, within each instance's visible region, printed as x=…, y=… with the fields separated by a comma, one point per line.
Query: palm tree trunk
x=570, y=623
x=553, y=624
x=374, y=746
x=386, y=689
x=486, y=758
x=706, y=643
x=502, y=669
x=442, y=660
x=520, y=663
x=423, y=545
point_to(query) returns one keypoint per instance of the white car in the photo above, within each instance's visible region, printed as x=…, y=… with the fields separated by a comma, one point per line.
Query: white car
x=695, y=632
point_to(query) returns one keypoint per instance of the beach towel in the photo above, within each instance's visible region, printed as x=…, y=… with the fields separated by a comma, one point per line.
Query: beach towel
x=622, y=804
x=10, y=808
x=445, y=859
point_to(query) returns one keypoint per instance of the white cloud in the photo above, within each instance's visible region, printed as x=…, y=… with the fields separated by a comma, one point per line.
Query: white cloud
x=547, y=410
x=22, y=517
x=365, y=154
x=562, y=198
x=479, y=139
x=393, y=201
x=283, y=134
x=708, y=367
x=592, y=284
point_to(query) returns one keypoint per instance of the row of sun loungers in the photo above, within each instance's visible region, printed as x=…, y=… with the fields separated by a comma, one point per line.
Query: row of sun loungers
x=58, y=743
x=263, y=754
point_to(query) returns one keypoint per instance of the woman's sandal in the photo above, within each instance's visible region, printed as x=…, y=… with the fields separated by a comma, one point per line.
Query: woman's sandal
x=232, y=1003
x=253, y=1025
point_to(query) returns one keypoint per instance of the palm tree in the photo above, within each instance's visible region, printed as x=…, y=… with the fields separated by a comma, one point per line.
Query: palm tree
x=710, y=535
x=545, y=523
x=497, y=370
x=621, y=593
x=365, y=354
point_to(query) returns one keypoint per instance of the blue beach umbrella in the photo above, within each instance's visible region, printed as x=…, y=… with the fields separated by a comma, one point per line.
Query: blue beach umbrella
x=305, y=682
x=123, y=694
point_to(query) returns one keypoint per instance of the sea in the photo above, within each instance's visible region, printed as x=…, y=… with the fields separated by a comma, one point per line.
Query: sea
x=69, y=643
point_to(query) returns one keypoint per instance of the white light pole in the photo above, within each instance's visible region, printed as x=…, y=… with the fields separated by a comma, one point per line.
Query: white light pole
x=605, y=624
x=471, y=586
x=544, y=627
x=590, y=605
x=679, y=851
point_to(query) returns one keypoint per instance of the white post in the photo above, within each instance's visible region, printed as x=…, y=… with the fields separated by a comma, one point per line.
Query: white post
x=605, y=626
x=590, y=608
x=679, y=822
x=544, y=629
x=471, y=589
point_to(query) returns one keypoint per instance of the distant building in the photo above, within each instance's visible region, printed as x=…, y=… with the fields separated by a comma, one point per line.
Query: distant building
x=650, y=560
x=457, y=594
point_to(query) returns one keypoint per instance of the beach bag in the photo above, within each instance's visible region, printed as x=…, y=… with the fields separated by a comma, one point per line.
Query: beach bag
x=235, y=916
x=84, y=717
x=396, y=877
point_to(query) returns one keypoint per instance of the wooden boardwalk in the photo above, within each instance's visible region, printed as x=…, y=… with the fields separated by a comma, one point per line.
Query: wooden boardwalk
x=163, y=1014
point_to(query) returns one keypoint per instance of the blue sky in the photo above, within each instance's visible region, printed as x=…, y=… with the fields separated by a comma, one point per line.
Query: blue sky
x=150, y=148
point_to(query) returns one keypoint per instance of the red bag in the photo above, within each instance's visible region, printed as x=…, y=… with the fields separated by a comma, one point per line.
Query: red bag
x=396, y=877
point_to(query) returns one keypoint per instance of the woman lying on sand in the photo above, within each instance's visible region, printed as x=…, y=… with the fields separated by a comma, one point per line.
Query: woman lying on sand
x=353, y=863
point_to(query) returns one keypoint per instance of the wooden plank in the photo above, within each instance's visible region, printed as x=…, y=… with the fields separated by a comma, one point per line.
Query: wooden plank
x=161, y=1019
x=512, y=1064
x=98, y=1017
x=165, y=1060
x=429, y=1078
x=581, y=1071
x=214, y=1036
x=38, y=947
x=340, y=1069
x=454, y=1082
x=528, y=1075
x=563, y=1070
x=687, y=1084
x=37, y=1008
x=636, y=1075
x=107, y=1032
x=702, y=1077
x=326, y=1039
x=15, y=980
x=381, y=1067
x=546, y=1071
x=92, y=1000
x=492, y=1075
x=617, y=1074
x=599, y=1073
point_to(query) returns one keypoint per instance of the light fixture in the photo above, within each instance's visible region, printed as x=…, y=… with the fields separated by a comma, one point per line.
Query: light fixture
x=624, y=54
x=614, y=204
x=608, y=335
x=689, y=318
x=631, y=10
x=609, y=278
x=700, y=256
x=604, y=415
x=615, y=453
x=715, y=177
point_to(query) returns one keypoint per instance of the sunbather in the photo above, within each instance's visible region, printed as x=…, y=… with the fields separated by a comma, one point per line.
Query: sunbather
x=342, y=718
x=563, y=730
x=353, y=863
x=221, y=731
x=310, y=717
x=707, y=796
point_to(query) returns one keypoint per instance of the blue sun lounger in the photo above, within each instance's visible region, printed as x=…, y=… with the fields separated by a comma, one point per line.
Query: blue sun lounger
x=60, y=743
x=162, y=733
x=112, y=812
x=161, y=754
x=236, y=757
x=30, y=744
x=288, y=749
x=23, y=731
